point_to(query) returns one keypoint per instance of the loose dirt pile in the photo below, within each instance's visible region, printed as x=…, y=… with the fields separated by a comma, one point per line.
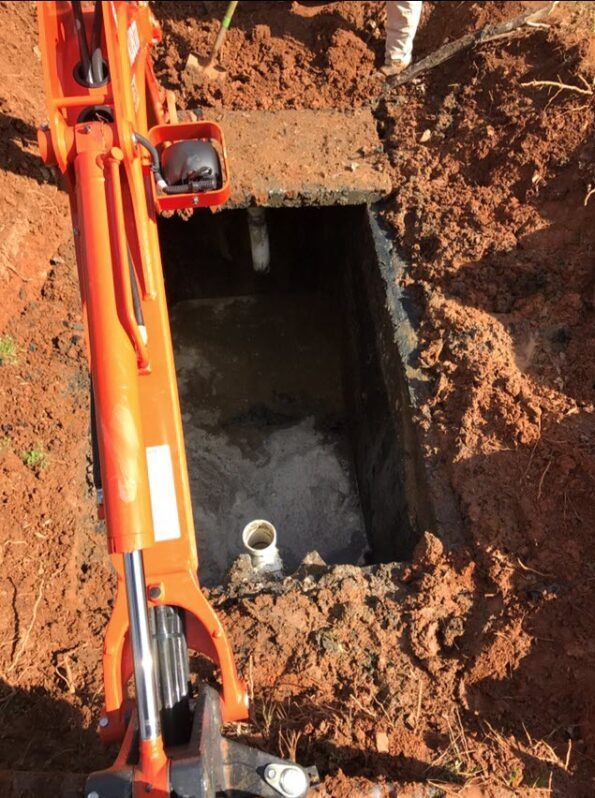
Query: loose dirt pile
x=469, y=666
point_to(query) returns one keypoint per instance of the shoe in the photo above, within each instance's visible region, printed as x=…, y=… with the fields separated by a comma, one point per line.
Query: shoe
x=392, y=68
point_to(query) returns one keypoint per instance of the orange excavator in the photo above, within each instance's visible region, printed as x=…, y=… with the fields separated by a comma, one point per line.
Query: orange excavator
x=124, y=160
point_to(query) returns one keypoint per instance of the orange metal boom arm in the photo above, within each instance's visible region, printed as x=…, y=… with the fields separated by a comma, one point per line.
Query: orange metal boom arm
x=143, y=465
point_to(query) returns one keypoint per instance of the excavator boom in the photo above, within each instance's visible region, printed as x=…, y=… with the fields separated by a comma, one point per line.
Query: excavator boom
x=123, y=161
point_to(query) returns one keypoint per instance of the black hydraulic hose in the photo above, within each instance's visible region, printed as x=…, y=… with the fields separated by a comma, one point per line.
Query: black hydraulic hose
x=182, y=189
x=152, y=150
x=95, y=446
x=79, y=23
x=97, y=23
x=97, y=65
x=136, y=303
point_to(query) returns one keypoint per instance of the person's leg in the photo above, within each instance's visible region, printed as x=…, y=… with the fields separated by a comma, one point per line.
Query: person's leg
x=401, y=26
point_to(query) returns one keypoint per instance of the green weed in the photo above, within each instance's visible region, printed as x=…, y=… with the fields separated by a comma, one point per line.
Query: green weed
x=8, y=349
x=35, y=457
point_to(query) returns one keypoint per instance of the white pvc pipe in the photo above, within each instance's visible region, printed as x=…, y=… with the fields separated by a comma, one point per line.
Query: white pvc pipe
x=260, y=541
x=259, y=240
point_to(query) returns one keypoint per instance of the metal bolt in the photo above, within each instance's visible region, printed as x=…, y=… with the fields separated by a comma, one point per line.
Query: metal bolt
x=154, y=592
x=271, y=773
x=93, y=794
x=195, y=200
x=103, y=722
x=293, y=782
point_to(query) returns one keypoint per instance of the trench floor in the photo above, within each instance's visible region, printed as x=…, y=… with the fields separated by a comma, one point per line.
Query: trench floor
x=265, y=426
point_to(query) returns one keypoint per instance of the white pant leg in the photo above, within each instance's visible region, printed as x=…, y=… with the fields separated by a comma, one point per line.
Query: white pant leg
x=402, y=19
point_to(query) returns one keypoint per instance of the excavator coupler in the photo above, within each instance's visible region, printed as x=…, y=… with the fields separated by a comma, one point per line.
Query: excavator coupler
x=209, y=765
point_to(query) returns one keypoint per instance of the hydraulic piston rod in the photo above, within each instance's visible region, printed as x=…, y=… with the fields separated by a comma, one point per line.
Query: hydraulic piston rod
x=144, y=670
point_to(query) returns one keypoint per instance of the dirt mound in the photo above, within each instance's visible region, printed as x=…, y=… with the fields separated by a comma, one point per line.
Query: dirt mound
x=277, y=55
x=491, y=206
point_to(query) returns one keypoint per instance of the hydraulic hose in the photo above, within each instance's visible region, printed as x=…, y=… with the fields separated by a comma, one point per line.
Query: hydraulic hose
x=97, y=483
x=97, y=64
x=155, y=165
x=79, y=23
x=136, y=303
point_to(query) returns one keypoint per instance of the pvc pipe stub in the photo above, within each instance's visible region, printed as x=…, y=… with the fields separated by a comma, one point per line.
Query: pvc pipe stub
x=258, y=536
x=259, y=239
x=260, y=541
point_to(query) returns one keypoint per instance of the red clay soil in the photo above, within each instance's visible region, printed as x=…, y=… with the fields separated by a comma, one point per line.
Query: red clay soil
x=470, y=668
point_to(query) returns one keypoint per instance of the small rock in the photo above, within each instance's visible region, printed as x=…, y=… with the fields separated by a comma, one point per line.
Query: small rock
x=425, y=136
x=312, y=565
x=452, y=628
x=313, y=558
x=429, y=550
x=382, y=742
x=261, y=33
x=328, y=642
x=192, y=64
x=240, y=571
x=56, y=261
x=353, y=166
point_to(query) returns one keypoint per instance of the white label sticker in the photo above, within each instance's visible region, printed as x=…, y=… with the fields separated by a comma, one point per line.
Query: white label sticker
x=133, y=41
x=164, y=507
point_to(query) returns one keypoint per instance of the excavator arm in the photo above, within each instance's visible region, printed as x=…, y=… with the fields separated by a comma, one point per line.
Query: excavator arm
x=123, y=162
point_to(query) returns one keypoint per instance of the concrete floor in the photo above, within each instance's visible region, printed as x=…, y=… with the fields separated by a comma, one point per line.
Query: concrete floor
x=265, y=427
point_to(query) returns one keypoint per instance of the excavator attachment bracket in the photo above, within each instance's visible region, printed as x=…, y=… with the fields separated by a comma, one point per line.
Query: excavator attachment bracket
x=210, y=765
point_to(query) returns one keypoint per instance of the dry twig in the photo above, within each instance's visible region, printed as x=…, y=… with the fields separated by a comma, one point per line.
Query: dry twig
x=545, y=470
x=25, y=639
x=289, y=740
x=557, y=84
x=64, y=672
x=419, y=700
x=18, y=274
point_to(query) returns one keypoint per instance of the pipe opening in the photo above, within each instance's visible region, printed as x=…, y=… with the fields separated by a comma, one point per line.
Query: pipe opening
x=259, y=536
x=260, y=541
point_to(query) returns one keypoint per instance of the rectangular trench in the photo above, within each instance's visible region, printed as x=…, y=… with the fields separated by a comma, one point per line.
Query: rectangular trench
x=288, y=412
